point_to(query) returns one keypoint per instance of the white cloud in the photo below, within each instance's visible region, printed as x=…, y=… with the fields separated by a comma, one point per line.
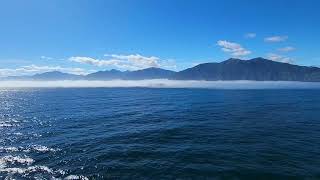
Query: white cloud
x=33, y=69
x=287, y=49
x=235, y=49
x=276, y=39
x=92, y=61
x=250, y=35
x=279, y=58
x=128, y=62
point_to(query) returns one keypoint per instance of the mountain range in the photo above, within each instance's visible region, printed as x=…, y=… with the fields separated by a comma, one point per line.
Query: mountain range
x=257, y=69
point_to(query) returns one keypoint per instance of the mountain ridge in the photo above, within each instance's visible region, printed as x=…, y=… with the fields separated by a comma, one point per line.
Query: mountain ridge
x=256, y=69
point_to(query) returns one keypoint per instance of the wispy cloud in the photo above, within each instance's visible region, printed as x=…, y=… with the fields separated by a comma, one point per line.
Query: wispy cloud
x=235, y=49
x=274, y=39
x=128, y=62
x=250, y=35
x=287, y=49
x=46, y=57
x=33, y=69
x=279, y=58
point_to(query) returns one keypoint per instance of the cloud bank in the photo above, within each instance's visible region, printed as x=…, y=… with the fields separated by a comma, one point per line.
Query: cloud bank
x=127, y=62
x=162, y=83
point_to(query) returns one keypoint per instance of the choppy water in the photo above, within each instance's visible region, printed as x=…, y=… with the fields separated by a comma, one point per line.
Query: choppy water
x=143, y=133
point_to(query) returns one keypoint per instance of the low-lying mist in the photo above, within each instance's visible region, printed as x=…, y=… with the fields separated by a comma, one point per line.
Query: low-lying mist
x=162, y=83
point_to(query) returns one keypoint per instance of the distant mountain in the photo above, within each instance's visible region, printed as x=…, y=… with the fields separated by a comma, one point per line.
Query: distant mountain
x=15, y=78
x=149, y=73
x=106, y=75
x=47, y=76
x=258, y=69
x=56, y=75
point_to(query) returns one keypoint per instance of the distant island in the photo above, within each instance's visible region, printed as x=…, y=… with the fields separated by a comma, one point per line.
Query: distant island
x=257, y=69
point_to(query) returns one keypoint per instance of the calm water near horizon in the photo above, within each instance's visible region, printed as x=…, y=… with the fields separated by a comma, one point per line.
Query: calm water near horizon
x=155, y=133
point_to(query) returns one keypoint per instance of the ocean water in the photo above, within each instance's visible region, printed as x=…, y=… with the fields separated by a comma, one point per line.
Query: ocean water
x=154, y=133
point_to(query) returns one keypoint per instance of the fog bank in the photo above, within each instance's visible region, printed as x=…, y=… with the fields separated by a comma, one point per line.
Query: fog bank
x=163, y=83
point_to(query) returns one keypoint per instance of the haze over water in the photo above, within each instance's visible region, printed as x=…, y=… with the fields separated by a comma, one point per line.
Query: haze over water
x=162, y=83
x=147, y=133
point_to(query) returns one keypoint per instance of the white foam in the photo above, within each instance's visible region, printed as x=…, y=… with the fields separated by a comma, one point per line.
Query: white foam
x=13, y=121
x=76, y=177
x=35, y=135
x=40, y=148
x=9, y=149
x=9, y=123
x=41, y=169
x=36, y=148
x=5, y=124
x=27, y=170
x=13, y=170
x=163, y=83
x=18, y=134
x=16, y=159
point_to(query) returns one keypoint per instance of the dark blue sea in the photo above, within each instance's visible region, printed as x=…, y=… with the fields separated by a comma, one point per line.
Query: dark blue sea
x=154, y=133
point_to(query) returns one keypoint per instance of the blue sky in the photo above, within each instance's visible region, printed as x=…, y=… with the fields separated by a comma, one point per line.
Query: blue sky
x=88, y=35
